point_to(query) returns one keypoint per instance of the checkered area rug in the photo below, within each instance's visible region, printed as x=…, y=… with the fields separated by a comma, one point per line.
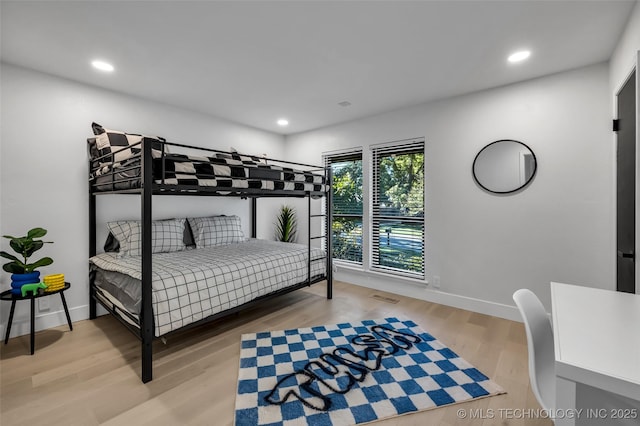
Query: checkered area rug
x=350, y=373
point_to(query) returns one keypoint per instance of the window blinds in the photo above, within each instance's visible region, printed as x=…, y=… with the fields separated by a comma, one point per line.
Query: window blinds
x=397, y=233
x=346, y=168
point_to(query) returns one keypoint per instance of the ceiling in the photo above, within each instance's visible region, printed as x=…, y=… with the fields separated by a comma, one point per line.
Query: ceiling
x=254, y=62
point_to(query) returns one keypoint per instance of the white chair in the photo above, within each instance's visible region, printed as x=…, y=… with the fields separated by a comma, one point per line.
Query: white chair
x=540, y=344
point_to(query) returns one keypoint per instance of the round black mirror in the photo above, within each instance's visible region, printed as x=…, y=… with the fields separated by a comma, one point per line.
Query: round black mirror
x=504, y=166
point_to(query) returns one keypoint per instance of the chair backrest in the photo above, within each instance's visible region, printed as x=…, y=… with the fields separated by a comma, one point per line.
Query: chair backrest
x=540, y=344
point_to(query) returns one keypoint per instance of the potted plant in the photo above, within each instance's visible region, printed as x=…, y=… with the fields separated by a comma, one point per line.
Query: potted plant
x=286, y=225
x=22, y=271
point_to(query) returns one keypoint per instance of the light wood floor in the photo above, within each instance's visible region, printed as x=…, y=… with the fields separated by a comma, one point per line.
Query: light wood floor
x=91, y=375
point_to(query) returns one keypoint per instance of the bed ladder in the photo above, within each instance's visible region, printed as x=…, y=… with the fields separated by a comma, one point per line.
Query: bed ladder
x=327, y=234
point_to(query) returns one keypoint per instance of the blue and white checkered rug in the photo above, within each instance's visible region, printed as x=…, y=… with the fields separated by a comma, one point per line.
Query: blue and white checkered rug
x=350, y=373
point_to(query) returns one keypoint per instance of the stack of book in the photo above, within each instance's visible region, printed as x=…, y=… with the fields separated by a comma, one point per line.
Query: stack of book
x=54, y=282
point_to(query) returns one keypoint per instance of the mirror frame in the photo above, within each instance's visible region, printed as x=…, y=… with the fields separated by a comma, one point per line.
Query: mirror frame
x=535, y=167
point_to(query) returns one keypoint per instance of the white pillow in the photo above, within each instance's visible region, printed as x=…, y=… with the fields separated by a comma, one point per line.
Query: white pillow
x=166, y=236
x=216, y=230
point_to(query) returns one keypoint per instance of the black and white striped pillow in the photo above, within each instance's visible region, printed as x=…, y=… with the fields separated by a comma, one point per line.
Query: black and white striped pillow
x=166, y=236
x=216, y=230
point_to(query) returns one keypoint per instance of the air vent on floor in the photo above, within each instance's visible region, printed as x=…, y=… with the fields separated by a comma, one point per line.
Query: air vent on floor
x=385, y=299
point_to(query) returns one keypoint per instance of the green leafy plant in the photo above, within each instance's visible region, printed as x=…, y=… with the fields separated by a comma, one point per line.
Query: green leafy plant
x=286, y=225
x=25, y=247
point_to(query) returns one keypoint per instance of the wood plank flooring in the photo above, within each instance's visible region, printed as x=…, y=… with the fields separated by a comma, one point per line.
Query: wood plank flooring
x=91, y=375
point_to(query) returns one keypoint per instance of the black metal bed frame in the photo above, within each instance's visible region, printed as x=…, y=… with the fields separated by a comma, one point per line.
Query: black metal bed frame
x=148, y=188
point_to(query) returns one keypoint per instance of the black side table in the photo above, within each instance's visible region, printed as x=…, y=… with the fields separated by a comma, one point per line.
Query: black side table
x=7, y=295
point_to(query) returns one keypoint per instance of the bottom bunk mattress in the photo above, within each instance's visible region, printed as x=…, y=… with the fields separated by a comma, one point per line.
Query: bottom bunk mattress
x=191, y=285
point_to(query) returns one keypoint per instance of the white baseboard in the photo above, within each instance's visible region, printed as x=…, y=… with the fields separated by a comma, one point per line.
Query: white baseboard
x=387, y=283
x=419, y=290
x=21, y=322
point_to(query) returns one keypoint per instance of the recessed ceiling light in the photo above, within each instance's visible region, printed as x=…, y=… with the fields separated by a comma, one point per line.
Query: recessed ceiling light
x=519, y=56
x=102, y=66
x=344, y=103
x=283, y=122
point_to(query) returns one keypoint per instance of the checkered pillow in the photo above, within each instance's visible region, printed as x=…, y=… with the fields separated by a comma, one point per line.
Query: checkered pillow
x=216, y=230
x=121, y=144
x=166, y=236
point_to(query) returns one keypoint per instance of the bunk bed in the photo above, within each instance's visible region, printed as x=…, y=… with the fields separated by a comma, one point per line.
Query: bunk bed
x=159, y=277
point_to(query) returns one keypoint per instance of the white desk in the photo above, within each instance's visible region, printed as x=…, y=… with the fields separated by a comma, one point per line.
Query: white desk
x=597, y=342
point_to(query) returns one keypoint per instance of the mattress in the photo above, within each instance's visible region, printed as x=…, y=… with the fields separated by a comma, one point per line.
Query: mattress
x=121, y=176
x=222, y=170
x=190, y=285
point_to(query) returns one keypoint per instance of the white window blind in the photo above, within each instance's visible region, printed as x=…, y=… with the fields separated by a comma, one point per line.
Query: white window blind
x=346, y=168
x=397, y=240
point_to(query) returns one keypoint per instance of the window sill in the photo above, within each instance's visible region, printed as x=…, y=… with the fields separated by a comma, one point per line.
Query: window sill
x=358, y=268
x=353, y=266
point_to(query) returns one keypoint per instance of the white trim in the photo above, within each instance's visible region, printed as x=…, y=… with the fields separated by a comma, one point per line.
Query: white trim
x=342, y=151
x=367, y=191
x=407, y=276
x=420, y=290
x=637, y=224
x=326, y=157
x=21, y=325
x=378, y=281
x=347, y=264
x=634, y=68
x=398, y=146
x=397, y=143
x=353, y=267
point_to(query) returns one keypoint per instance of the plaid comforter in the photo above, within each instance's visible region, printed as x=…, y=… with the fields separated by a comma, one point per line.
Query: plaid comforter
x=190, y=285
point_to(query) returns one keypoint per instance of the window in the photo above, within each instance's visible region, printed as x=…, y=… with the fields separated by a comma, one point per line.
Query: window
x=397, y=234
x=346, y=228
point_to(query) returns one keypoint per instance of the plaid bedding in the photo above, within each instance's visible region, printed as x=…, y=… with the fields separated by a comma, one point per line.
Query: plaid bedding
x=190, y=285
x=223, y=170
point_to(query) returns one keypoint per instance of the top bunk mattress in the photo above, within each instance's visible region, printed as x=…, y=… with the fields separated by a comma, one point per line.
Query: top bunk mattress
x=190, y=285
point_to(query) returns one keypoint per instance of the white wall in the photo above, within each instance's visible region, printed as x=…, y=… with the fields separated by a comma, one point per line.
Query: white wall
x=483, y=246
x=625, y=58
x=43, y=179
